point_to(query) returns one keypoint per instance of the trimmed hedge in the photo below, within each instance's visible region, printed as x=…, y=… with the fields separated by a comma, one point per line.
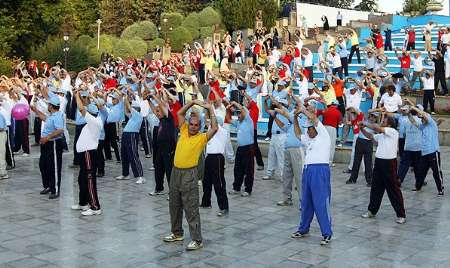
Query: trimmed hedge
x=139, y=47
x=192, y=23
x=174, y=19
x=209, y=17
x=206, y=31
x=145, y=30
x=152, y=44
x=178, y=37
x=84, y=40
x=52, y=51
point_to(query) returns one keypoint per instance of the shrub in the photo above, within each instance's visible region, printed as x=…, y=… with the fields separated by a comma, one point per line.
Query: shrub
x=206, y=32
x=152, y=44
x=178, y=37
x=139, y=47
x=174, y=19
x=52, y=51
x=209, y=17
x=84, y=40
x=192, y=23
x=106, y=43
x=145, y=30
x=6, y=66
x=123, y=49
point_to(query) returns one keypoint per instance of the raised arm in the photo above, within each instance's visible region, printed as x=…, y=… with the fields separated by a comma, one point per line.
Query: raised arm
x=182, y=112
x=297, y=129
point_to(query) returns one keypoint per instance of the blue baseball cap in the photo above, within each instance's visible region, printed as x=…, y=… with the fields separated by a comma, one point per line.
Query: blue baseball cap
x=84, y=94
x=92, y=108
x=100, y=101
x=54, y=100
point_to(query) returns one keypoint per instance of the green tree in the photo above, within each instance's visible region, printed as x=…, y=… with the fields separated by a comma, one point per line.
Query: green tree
x=178, y=37
x=118, y=14
x=415, y=6
x=367, y=5
x=145, y=30
x=192, y=23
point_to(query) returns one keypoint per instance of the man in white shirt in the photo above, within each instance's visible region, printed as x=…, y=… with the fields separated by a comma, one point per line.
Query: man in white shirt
x=307, y=57
x=214, y=170
x=417, y=63
x=335, y=61
x=316, y=185
x=276, y=54
x=428, y=91
x=87, y=145
x=385, y=170
x=390, y=100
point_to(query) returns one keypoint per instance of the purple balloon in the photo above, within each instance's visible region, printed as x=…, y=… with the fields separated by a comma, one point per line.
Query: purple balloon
x=20, y=111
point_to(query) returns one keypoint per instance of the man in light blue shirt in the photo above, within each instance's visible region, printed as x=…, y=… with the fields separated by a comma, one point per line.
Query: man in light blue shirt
x=129, y=148
x=244, y=164
x=430, y=155
x=412, y=146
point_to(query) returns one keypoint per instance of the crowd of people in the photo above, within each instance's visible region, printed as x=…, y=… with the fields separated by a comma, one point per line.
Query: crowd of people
x=182, y=113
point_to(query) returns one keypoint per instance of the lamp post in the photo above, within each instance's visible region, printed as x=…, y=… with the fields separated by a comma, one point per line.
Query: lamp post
x=66, y=49
x=99, y=21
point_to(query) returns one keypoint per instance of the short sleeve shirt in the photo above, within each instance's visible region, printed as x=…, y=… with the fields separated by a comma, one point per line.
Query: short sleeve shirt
x=189, y=148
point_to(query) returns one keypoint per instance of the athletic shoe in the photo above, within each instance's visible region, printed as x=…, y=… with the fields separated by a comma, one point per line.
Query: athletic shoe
x=45, y=191
x=148, y=156
x=4, y=177
x=122, y=177
x=325, y=240
x=433, y=113
x=156, y=193
x=339, y=145
x=173, y=238
x=78, y=207
x=267, y=139
x=234, y=192
x=441, y=193
x=151, y=168
x=91, y=212
x=285, y=203
x=347, y=171
x=400, y=220
x=25, y=154
x=266, y=178
x=350, y=181
x=245, y=194
x=299, y=235
x=260, y=168
x=140, y=180
x=367, y=215
x=200, y=183
x=53, y=196
x=416, y=190
x=222, y=213
x=194, y=245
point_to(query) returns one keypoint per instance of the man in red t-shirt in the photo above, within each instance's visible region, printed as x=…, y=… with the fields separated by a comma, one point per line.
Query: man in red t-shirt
x=253, y=111
x=405, y=62
x=331, y=118
x=411, y=39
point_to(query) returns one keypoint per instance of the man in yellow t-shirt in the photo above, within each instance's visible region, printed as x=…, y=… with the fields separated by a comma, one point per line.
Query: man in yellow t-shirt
x=183, y=194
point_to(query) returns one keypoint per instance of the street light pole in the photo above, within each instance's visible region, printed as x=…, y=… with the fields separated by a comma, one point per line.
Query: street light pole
x=99, y=21
x=66, y=49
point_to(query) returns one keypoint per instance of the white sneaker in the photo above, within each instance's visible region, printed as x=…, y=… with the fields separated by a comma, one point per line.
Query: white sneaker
x=122, y=177
x=200, y=183
x=400, y=220
x=140, y=180
x=266, y=178
x=4, y=177
x=339, y=145
x=245, y=194
x=154, y=193
x=91, y=212
x=234, y=192
x=267, y=139
x=148, y=156
x=194, y=245
x=78, y=207
x=25, y=154
x=151, y=168
x=367, y=215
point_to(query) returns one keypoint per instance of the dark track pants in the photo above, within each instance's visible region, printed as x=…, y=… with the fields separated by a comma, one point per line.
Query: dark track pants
x=363, y=149
x=21, y=136
x=244, y=168
x=258, y=155
x=130, y=154
x=407, y=159
x=50, y=163
x=426, y=162
x=111, y=140
x=87, y=180
x=385, y=179
x=100, y=164
x=77, y=156
x=144, y=135
x=214, y=176
x=163, y=160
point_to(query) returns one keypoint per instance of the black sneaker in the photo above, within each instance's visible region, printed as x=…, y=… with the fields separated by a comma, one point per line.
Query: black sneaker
x=347, y=171
x=53, y=196
x=298, y=234
x=325, y=240
x=441, y=193
x=45, y=191
x=350, y=181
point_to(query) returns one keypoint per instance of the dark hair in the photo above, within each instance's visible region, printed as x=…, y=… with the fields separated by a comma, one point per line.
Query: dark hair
x=391, y=121
x=390, y=87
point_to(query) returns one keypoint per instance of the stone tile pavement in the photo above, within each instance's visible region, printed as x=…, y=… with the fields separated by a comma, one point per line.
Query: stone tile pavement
x=37, y=232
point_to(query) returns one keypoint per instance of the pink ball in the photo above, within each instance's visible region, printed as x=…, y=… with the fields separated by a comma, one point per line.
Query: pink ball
x=20, y=111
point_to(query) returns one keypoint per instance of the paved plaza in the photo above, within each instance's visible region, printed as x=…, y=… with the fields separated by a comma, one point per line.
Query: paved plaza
x=37, y=232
